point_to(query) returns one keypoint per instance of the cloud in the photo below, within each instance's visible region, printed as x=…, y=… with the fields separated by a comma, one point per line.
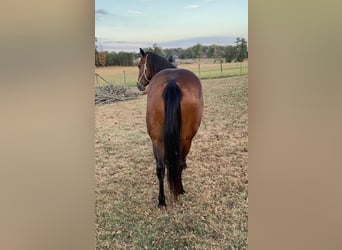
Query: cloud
x=205, y=40
x=134, y=12
x=192, y=6
x=101, y=12
x=120, y=45
x=112, y=45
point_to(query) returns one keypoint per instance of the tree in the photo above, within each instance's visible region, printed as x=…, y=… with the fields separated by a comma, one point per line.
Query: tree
x=197, y=51
x=211, y=51
x=158, y=50
x=97, y=63
x=229, y=53
x=102, y=58
x=241, y=47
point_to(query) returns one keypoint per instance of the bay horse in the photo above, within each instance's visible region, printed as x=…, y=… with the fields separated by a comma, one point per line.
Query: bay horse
x=173, y=116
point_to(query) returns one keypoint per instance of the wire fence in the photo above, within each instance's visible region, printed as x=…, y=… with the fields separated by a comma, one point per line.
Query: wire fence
x=205, y=71
x=127, y=76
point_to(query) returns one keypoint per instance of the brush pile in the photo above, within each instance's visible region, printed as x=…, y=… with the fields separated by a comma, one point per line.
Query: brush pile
x=110, y=93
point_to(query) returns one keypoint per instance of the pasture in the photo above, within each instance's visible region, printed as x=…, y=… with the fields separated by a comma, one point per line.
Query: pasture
x=208, y=69
x=212, y=214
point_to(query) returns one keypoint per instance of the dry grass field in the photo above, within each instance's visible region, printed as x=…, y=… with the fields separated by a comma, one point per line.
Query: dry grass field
x=212, y=214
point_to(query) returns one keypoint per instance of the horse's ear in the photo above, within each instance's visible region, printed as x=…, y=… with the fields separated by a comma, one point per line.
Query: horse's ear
x=142, y=52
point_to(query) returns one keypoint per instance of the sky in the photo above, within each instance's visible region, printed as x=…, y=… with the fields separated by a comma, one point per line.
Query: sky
x=130, y=24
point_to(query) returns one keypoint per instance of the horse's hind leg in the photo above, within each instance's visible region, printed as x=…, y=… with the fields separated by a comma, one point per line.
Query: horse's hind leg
x=182, y=191
x=183, y=163
x=160, y=175
x=186, y=144
x=160, y=169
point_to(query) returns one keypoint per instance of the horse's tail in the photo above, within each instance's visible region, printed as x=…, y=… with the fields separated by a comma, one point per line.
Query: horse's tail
x=171, y=133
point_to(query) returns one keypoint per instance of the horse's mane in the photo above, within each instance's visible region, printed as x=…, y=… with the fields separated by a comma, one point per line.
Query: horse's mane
x=158, y=63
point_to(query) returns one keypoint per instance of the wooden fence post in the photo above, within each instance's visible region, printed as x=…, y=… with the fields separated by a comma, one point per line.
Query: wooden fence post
x=124, y=75
x=221, y=68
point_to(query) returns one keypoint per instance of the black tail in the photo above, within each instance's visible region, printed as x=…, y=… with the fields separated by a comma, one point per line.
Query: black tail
x=172, y=127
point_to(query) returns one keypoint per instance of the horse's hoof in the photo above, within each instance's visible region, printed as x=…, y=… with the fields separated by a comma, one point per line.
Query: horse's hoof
x=162, y=205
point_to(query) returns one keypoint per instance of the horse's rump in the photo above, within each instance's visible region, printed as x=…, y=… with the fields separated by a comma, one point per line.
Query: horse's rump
x=191, y=102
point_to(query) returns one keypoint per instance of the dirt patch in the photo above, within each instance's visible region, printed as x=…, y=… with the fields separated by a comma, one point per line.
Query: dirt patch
x=213, y=212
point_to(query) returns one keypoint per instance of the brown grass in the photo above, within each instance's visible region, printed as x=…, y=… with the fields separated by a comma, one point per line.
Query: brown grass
x=213, y=212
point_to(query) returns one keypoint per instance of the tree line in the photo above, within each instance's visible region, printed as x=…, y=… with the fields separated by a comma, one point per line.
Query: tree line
x=230, y=53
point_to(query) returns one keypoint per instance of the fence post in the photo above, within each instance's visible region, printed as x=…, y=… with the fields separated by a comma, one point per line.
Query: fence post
x=199, y=70
x=124, y=75
x=221, y=68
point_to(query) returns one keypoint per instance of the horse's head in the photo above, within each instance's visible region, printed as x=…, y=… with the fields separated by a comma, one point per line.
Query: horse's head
x=149, y=65
x=144, y=76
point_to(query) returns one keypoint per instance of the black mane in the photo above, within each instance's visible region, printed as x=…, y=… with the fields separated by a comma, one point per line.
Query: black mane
x=158, y=63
